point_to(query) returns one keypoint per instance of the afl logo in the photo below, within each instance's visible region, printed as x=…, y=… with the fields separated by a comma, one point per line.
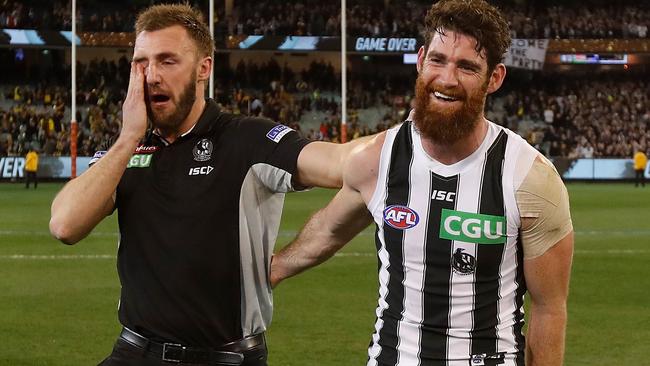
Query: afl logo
x=203, y=150
x=400, y=217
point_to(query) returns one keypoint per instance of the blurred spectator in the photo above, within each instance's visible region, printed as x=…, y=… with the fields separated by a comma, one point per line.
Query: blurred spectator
x=640, y=163
x=31, y=168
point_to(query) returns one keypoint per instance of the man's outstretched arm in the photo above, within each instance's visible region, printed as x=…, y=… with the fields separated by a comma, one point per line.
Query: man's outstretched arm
x=321, y=164
x=344, y=217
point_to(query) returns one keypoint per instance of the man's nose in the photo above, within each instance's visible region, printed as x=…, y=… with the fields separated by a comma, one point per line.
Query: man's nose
x=152, y=74
x=448, y=76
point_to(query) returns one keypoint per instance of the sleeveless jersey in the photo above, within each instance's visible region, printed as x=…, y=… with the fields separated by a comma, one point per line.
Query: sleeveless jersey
x=451, y=282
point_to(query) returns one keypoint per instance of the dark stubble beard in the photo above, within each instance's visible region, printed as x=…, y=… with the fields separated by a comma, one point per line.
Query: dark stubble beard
x=447, y=126
x=172, y=121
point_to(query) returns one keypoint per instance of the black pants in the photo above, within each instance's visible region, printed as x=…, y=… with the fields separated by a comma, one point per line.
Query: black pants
x=125, y=354
x=31, y=177
x=639, y=178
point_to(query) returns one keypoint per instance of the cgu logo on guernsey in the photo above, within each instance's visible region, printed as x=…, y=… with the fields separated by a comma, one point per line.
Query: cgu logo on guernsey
x=140, y=161
x=472, y=227
x=400, y=217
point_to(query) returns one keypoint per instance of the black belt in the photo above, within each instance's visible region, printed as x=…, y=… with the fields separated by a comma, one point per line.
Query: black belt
x=228, y=354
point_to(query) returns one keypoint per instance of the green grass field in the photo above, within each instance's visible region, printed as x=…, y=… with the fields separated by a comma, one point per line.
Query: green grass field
x=58, y=303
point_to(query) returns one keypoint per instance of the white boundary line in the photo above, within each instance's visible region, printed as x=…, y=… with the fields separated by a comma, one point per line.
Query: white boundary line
x=57, y=257
x=341, y=255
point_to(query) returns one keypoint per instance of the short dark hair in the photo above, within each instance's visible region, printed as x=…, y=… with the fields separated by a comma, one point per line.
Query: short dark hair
x=162, y=16
x=475, y=18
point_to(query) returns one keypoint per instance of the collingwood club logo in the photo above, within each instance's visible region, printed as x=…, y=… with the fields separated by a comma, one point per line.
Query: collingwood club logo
x=463, y=263
x=203, y=150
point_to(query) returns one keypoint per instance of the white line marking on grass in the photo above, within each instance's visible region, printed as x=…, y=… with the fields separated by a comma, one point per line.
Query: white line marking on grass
x=293, y=233
x=47, y=233
x=613, y=232
x=340, y=255
x=612, y=251
x=57, y=257
x=351, y=254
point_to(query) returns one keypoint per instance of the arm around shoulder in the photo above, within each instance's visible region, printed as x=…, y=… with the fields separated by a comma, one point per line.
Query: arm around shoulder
x=329, y=229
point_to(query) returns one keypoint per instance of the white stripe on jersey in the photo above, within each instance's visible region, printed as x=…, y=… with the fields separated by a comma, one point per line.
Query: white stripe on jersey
x=462, y=301
x=414, y=257
x=376, y=202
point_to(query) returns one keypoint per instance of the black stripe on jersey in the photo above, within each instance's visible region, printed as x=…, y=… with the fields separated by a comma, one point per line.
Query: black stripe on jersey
x=397, y=193
x=489, y=257
x=378, y=247
x=520, y=280
x=437, y=274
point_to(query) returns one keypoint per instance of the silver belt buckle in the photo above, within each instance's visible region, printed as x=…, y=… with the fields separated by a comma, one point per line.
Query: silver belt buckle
x=171, y=347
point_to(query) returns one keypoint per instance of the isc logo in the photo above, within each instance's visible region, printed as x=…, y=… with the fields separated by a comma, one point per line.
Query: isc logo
x=201, y=170
x=400, y=217
x=443, y=195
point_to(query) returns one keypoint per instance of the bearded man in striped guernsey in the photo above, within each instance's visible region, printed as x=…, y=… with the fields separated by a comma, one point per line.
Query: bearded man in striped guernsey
x=469, y=216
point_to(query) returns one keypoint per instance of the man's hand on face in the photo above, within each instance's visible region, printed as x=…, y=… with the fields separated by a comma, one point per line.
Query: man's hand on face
x=134, y=109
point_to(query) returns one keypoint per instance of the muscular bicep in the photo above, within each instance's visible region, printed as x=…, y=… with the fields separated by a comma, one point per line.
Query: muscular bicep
x=347, y=214
x=543, y=204
x=319, y=165
x=322, y=164
x=547, y=276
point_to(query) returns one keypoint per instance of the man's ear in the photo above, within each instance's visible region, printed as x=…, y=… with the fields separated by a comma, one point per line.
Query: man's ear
x=204, y=68
x=496, y=78
x=421, y=55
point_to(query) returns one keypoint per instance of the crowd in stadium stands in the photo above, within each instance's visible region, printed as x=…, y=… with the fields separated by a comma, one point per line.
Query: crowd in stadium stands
x=579, y=117
x=598, y=117
x=364, y=18
x=580, y=21
x=92, y=15
x=36, y=116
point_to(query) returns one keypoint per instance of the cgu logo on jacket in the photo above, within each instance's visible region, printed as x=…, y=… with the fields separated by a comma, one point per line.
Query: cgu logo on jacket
x=472, y=227
x=400, y=217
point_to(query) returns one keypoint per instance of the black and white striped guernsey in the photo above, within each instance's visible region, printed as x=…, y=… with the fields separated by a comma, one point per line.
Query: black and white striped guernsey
x=451, y=281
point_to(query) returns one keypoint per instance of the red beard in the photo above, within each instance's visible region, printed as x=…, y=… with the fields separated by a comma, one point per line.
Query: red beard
x=447, y=126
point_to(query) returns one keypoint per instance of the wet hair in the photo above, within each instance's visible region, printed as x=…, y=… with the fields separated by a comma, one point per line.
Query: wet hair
x=162, y=16
x=474, y=18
